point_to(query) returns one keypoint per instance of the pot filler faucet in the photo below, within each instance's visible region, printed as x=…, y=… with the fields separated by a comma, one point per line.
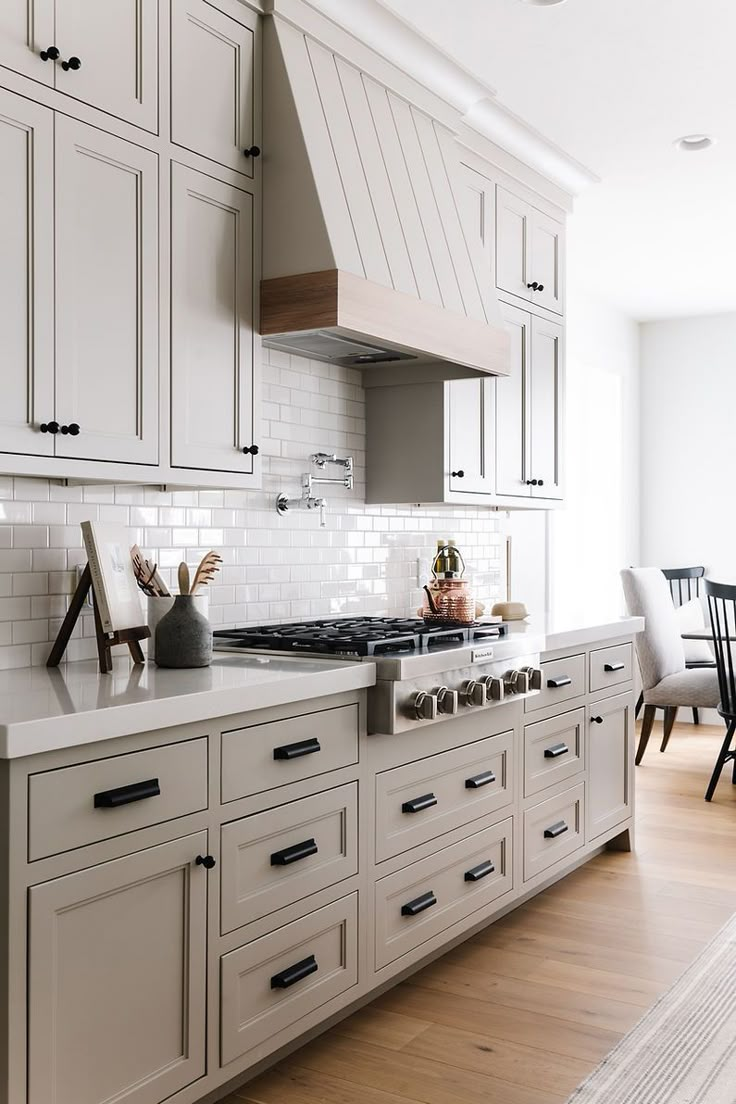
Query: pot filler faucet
x=309, y=501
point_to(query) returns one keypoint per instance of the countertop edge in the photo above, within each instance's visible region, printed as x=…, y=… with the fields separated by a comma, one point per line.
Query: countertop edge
x=592, y=634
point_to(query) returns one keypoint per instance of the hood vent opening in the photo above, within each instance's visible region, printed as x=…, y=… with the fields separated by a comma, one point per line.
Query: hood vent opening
x=334, y=348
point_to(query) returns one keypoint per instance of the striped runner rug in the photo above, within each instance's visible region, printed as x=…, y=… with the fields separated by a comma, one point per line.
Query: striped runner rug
x=684, y=1049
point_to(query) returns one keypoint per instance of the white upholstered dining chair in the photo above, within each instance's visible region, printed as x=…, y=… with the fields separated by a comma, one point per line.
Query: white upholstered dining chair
x=666, y=682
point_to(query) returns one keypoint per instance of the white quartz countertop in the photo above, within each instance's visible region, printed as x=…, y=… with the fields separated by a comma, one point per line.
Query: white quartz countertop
x=575, y=630
x=45, y=709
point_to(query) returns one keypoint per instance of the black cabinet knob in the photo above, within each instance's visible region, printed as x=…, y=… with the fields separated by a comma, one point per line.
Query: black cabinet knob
x=540, y=287
x=207, y=861
x=73, y=63
x=251, y=450
x=540, y=482
x=49, y=427
x=534, y=286
x=532, y=483
x=72, y=429
x=458, y=474
x=49, y=54
x=596, y=720
x=252, y=151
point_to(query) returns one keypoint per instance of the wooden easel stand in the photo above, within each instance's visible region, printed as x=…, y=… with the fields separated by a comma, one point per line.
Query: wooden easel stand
x=105, y=641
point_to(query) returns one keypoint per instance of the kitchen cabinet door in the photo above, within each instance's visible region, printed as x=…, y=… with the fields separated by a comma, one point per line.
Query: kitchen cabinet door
x=116, y=986
x=610, y=763
x=215, y=83
x=513, y=239
x=116, y=45
x=27, y=28
x=547, y=263
x=212, y=341
x=471, y=436
x=512, y=409
x=106, y=296
x=546, y=409
x=26, y=275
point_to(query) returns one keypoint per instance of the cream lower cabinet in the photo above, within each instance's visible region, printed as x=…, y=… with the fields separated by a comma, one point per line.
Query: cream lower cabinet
x=117, y=978
x=610, y=744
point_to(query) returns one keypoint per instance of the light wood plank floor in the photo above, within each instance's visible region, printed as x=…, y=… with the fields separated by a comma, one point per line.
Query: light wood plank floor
x=523, y=1011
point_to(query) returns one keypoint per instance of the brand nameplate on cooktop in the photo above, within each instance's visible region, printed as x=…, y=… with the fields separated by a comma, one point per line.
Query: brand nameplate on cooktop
x=479, y=655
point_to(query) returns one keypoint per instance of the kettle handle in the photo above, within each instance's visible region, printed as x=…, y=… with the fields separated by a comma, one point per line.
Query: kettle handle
x=432, y=606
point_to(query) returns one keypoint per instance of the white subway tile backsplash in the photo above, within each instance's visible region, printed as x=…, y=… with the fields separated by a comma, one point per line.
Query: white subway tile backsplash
x=364, y=561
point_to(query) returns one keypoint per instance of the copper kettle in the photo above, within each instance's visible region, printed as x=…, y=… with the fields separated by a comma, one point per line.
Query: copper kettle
x=449, y=598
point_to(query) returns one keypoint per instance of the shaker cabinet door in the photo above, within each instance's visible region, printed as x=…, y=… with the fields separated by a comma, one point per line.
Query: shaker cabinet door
x=106, y=296
x=471, y=436
x=513, y=238
x=215, y=83
x=115, y=44
x=547, y=265
x=212, y=376
x=26, y=275
x=27, y=29
x=512, y=409
x=610, y=763
x=546, y=409
x=116, y=985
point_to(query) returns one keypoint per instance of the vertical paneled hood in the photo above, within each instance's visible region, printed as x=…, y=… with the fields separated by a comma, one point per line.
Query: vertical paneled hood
x=365, y=260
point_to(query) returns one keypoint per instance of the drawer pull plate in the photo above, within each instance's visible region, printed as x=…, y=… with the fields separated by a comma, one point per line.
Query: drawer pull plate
x=292, y=974
x=555, y=830
x=419, y=904
x=555, y=751
x=295, y=751
x=294, y=853
x=417, y=804
x=483, y=779
x=558, y=682
x=482, y=870
x=124, y=795
x=613, y=666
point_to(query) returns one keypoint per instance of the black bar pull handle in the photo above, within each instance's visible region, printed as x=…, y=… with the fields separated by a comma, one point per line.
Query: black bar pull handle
x=555, y=830
x=124, y=795
x=482, y=870
x=559, y=681
x=483, y=779
x=292, y=974
x=613, y=666
x=295, y=751
x=419, y=904
x=426, y=801
x=555, y=751
x=294, y=853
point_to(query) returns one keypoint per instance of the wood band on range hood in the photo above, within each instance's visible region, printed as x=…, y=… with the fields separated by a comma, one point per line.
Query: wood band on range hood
x=355, y=307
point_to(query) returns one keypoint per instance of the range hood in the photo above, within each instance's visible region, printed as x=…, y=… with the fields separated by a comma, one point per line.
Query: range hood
x=365, y=259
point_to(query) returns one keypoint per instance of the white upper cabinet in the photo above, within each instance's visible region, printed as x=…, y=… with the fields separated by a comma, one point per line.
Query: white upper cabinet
x=27, y=31
x=26, y=275
x=512, y=410
x=215, y=83
x=545, y=409
x=471, y=436
x=106, y=296
x=529, y=261
x=213, y=400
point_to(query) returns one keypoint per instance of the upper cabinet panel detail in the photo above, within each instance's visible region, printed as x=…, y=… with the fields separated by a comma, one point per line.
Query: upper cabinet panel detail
x=529, y=262
x=215, y=84
x=26, y=32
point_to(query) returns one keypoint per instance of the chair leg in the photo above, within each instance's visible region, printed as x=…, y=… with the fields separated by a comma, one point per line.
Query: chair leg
x=670, y=716
x=696, y=715
x=650, y=712
x=639, y=704
x=723, y=756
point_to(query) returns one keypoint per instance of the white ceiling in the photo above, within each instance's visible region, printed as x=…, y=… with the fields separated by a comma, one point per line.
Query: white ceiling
x=614, y=83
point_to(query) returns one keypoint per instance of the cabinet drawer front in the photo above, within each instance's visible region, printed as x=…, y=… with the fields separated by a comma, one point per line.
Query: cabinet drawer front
x=265, y=756
x=610, y=666
x=423, y=899
x=271, y=983
x=553, y=751
x=273, y=858
x=76, y=806
x=422, y=800
x=562, y=680
x=553, y=830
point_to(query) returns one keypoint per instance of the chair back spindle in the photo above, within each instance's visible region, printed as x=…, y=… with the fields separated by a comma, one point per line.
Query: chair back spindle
x=684, y=583
x=722, y=609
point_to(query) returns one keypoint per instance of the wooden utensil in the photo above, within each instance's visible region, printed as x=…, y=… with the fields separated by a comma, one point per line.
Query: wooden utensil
x=147, y=575
x=207, y=570
x=183, y=575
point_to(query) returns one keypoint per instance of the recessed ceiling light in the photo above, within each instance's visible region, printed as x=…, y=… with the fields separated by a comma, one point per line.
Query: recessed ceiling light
x=693, y=143
x=543, y=3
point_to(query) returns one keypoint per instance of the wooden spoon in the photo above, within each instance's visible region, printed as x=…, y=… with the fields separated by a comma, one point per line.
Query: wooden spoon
x=183, y=578
x=207, y=570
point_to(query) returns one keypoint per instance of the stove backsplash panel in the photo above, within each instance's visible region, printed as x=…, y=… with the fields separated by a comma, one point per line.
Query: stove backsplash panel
x=274, y=569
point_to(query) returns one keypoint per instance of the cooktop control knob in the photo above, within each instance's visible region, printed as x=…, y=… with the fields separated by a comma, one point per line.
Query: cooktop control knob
x=512, y=682
x=534, y=676
x=495, y=690
x=447, y=700
x=425, y=706
x=474, y=693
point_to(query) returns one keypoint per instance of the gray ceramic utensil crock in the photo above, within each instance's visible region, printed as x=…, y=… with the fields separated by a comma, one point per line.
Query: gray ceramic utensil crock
x=183, y=636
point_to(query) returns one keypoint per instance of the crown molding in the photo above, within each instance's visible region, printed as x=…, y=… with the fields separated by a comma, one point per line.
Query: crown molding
x=409, y=50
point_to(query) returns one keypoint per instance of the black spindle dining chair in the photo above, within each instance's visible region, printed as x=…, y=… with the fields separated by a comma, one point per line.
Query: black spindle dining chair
x=722, y=609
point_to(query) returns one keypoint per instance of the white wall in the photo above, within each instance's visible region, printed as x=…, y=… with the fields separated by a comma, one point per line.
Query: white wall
x=688, y=451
